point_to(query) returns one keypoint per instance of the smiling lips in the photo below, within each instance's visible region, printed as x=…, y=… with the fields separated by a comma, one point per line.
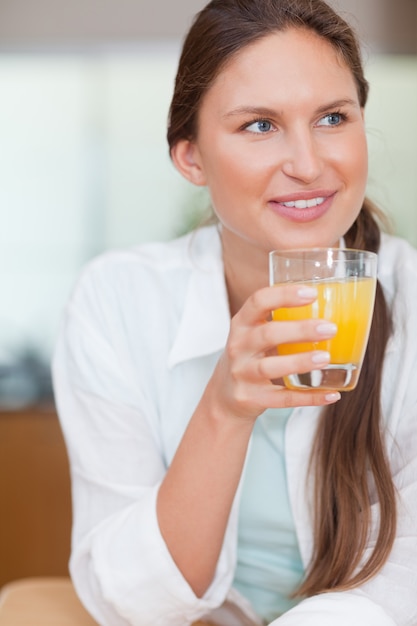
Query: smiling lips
x=304, y=204
x=302, y=207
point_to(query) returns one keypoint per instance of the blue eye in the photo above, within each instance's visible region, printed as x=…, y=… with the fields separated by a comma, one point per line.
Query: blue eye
x=332, y=119
x=259, y=126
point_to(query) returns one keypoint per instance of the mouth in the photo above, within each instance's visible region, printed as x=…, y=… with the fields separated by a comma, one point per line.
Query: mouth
x=303, y=207
x=304, y=204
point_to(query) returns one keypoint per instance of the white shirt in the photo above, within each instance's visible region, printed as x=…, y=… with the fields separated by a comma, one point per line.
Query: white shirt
x=140, y=337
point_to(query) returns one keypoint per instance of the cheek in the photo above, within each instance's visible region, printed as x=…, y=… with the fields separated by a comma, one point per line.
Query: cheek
x=351, y=159
x=359, y=153
x=234, y=173
x=356, y=176
x=234, y=186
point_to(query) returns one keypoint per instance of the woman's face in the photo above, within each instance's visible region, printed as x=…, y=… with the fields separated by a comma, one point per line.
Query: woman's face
x=281, y=145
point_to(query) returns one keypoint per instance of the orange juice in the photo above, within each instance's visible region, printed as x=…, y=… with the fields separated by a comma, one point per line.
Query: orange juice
x=348, y=303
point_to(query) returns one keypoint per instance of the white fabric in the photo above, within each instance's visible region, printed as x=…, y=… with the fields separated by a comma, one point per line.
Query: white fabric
x=140, y=337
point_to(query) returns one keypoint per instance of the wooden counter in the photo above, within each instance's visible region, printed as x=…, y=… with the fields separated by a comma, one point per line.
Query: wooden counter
x=35, y=518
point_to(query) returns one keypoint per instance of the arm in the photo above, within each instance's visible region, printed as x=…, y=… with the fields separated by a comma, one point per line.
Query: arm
x=196, y=496
x=128, y=564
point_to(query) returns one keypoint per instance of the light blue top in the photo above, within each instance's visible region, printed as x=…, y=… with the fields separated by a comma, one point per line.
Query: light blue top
x=269, y=564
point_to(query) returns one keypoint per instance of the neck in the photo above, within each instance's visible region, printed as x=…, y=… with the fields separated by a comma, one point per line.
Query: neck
x=245, y=267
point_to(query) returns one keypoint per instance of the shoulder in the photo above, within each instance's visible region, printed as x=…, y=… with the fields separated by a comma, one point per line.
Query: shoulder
x=397, y=267
x=398, y=276
x=396, y=250
x=149, y=258
x=145, y=275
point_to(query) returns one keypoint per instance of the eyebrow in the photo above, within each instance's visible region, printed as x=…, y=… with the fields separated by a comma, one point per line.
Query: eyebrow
x=267, y=112
x=336, y=104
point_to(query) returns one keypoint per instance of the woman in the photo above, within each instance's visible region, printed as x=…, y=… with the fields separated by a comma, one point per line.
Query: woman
x=200, y=487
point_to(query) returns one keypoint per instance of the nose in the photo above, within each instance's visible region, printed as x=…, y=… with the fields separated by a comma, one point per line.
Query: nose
x=301, y=157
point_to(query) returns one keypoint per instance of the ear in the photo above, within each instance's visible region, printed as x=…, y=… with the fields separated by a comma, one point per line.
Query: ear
x=186, y=158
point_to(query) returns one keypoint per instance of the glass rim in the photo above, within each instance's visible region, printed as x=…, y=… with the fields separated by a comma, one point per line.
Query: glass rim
x=293, y=252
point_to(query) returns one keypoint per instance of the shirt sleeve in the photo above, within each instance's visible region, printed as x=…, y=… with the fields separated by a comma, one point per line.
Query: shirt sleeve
x=120, y=565
x=343, y=609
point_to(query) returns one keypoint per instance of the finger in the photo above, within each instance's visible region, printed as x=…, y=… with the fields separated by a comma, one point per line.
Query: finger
x=275, y=367
x=275, y=398
x=271, y=334
x=259, y=305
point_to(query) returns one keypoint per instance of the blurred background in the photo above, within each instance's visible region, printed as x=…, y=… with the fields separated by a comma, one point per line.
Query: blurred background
x=85, y=87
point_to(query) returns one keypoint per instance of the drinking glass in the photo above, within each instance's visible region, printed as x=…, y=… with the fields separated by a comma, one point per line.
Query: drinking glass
x=345, y=280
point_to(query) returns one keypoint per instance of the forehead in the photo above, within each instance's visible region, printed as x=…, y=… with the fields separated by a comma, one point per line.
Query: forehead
x=292, y=63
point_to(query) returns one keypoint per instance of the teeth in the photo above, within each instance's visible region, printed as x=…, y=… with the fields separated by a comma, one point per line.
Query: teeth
x=304, y=204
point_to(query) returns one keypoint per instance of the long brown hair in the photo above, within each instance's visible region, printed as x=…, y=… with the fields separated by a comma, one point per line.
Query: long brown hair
x=348, y=448
x=348, y=451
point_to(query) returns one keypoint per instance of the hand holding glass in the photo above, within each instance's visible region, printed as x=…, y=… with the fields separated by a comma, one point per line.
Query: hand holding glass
x=345, y=280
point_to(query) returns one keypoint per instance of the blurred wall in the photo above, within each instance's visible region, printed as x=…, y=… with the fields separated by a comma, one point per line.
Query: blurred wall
x=385, y=26
x=61, y=22
x=389, y=26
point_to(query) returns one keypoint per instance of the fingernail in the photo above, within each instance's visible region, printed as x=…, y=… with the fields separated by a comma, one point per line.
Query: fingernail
x=326, y=328
x=320, y=356
x=332, y=397
x=307, y=293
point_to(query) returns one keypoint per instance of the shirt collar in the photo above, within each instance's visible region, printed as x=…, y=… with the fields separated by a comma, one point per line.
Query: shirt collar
x=205, y=321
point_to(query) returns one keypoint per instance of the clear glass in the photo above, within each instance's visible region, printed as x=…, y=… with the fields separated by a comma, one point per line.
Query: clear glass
x=345, y=280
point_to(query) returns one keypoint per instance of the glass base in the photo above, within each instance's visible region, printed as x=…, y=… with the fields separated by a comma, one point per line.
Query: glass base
x=334, y=377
